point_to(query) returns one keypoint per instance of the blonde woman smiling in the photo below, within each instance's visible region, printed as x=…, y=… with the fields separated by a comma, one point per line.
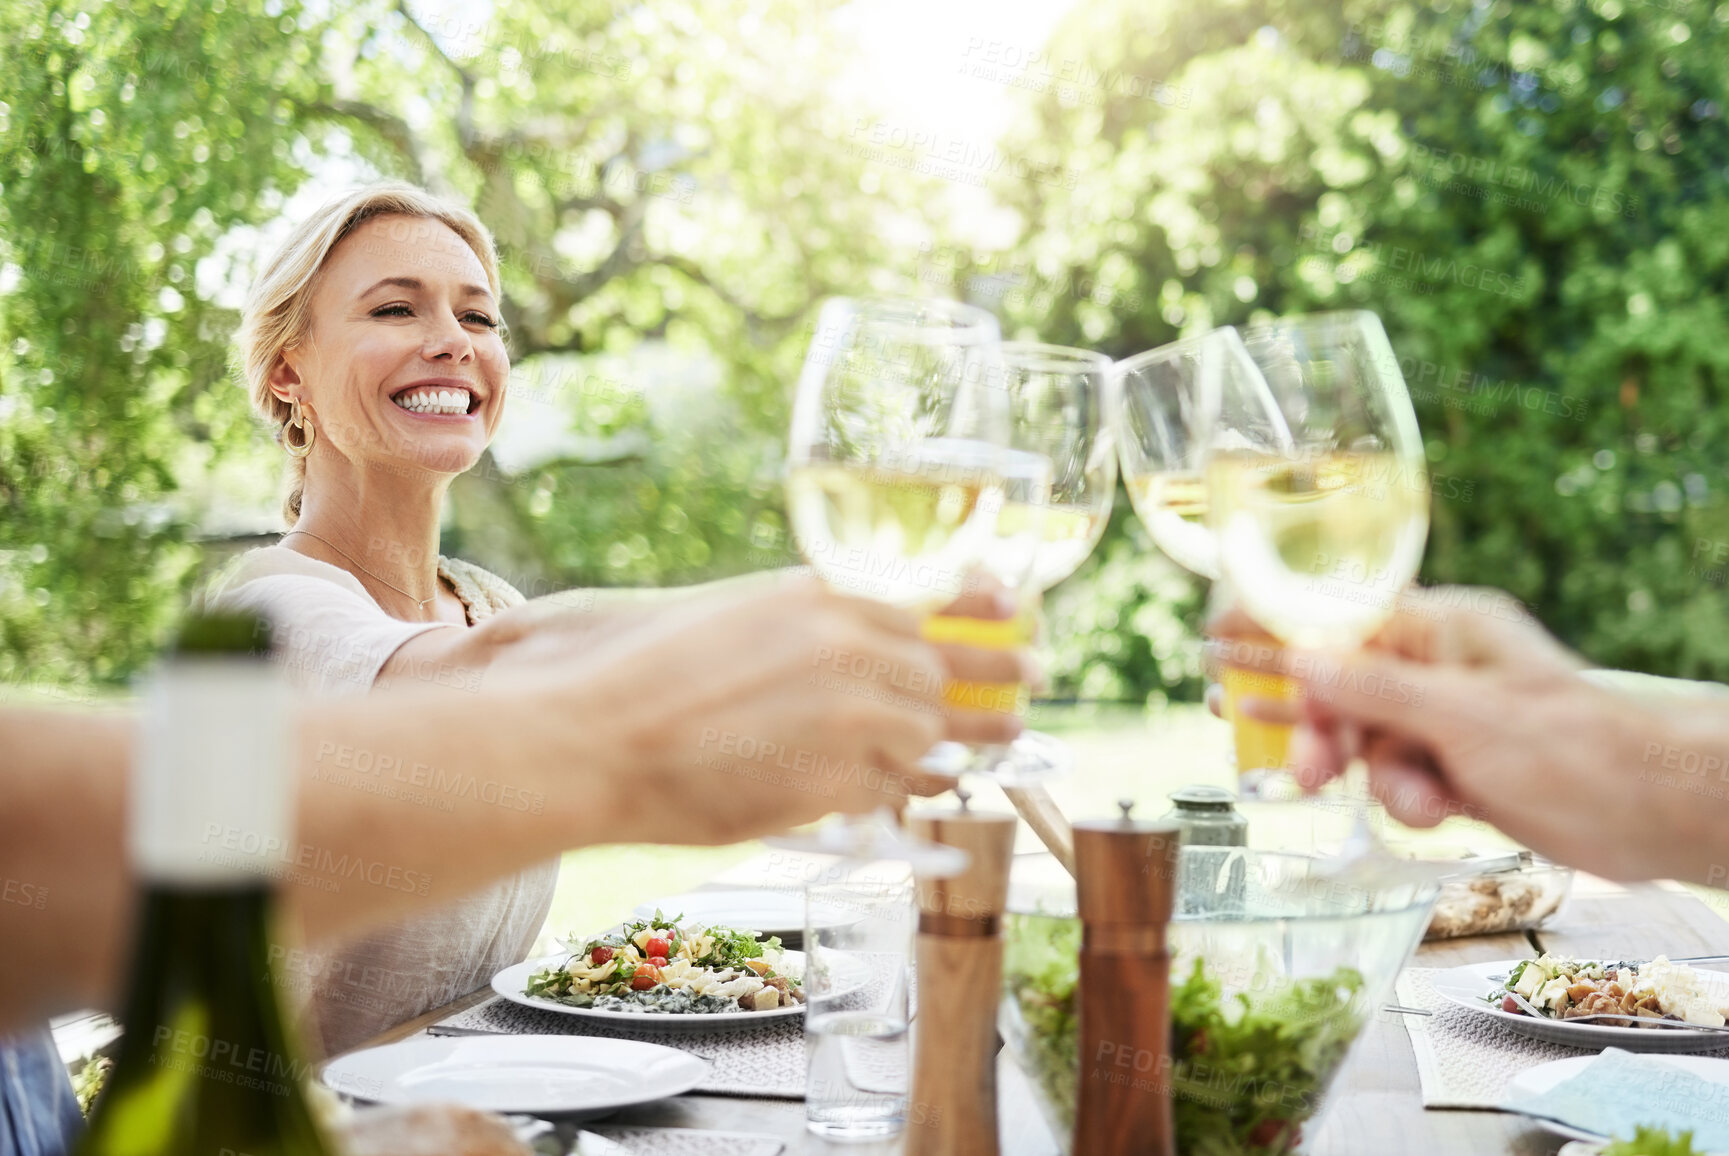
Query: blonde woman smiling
x=372, y=342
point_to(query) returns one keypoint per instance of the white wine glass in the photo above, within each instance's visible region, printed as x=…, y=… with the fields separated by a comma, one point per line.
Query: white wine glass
x=1320, y=508
x=895, y=480
x=1062, y=407
x=1172, y=398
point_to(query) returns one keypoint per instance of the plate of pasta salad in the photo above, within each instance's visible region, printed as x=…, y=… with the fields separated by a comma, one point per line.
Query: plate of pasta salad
x=1652, y=1003
x=663, y=972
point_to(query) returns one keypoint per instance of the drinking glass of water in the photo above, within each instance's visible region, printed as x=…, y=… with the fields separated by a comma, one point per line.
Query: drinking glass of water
x=858, y=964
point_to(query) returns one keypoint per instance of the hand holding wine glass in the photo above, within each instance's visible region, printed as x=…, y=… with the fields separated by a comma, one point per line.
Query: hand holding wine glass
x=1318, y=504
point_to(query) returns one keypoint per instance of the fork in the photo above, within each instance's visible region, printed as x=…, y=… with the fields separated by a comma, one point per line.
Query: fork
x=1530, y=1009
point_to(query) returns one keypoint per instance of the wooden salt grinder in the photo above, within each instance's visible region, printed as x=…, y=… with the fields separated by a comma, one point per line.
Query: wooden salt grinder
x=953, y=1110
x=1125, y=877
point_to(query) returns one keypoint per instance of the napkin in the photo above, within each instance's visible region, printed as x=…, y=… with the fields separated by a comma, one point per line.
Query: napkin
x=1620, y=1090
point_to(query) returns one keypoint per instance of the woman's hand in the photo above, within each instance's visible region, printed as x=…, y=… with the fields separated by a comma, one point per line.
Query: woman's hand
x=1464, y=705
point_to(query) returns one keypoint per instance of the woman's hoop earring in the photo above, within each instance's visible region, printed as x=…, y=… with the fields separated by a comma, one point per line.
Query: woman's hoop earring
x=298, y=421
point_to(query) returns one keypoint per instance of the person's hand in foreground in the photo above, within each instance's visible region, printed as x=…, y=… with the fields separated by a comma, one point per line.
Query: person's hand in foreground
x=910, y=679
x=721, y=721
x=1464, y=705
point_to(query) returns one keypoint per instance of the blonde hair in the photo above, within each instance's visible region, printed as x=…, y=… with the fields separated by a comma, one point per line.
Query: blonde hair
x=278, y=311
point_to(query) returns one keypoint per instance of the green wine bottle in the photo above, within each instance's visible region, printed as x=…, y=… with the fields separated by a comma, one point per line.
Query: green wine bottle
x=207, y=1066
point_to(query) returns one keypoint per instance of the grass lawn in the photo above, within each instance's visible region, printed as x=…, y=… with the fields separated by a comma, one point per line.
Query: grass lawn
x=1120, y=753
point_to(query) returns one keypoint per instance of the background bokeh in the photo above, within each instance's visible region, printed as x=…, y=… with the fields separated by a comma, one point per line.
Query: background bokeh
x=1533, y=195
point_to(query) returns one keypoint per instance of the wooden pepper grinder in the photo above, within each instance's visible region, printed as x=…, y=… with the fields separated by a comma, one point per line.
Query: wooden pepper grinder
x=953, y=1111
x=1125, y=879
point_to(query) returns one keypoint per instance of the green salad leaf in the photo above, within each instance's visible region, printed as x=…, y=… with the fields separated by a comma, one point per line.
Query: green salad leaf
x=731, y=949
x=1654, y=1142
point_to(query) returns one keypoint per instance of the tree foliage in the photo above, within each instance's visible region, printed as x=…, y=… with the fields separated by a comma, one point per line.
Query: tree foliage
x=1529, y=194
x=128, y=145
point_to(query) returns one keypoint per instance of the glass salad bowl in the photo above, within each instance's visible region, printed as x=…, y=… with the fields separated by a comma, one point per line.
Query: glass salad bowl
x=1276, y=966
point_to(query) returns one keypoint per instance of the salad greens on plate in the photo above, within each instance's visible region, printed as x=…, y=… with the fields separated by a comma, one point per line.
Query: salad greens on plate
x=658, y=965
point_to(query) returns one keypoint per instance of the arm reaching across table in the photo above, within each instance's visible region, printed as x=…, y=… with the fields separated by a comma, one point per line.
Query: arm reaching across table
x=728, y=719
x=1465, y=705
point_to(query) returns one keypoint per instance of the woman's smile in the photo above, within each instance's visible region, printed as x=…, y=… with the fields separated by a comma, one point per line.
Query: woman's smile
x=439, y=398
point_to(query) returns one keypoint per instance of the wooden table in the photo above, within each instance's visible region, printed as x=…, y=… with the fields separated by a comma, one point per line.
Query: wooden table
x=1376, y=1106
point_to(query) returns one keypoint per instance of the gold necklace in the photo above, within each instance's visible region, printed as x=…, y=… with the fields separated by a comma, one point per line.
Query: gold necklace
x=419, y=603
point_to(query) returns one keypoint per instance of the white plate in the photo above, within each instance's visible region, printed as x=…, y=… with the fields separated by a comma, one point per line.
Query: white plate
x=1467, y=985
x=762, y=911
x=533, y=1075
x=1535, y=1081
x=851, y=974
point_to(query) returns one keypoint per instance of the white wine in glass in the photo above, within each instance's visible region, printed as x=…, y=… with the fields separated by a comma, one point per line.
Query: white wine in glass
x=1319, y=548
x=894, y=482
x=1171, y=400
x=1061, y=412
x=1172, y=505
x=902, y=528
x=1320, y=508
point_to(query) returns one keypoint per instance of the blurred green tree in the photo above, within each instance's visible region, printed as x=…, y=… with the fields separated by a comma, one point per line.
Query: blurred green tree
x=129, y=143
x=1529, y=194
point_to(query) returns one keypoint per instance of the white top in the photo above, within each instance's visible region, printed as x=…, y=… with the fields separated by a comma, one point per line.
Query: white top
x=327, y=631
x=332, y=637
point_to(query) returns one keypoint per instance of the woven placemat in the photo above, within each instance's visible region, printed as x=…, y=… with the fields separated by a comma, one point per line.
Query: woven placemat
x=767, y=1061
x=1466, y=1060
x=690, y=1142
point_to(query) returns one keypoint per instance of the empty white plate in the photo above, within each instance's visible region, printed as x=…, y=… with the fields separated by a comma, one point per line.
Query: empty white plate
x=532, y=1075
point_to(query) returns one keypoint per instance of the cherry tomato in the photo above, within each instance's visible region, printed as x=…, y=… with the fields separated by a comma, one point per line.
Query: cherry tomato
x=657, y=960
x=1510, y=1005
x=600, y=955
x=657, y=946
x=646, y=977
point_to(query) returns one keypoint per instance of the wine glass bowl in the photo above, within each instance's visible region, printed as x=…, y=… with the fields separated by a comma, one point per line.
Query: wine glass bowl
x=1176, y=400
x=1059, y=403
x=895, y=429
x=1320, y=516
x=896, y=471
